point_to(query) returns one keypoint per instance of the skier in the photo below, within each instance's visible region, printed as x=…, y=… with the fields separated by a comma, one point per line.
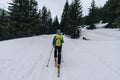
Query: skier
x=57, y=44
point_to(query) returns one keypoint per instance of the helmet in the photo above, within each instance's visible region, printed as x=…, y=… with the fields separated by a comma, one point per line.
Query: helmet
x=58, y=31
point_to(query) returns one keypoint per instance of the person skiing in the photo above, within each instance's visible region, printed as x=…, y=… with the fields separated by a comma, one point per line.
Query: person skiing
x=57, y=44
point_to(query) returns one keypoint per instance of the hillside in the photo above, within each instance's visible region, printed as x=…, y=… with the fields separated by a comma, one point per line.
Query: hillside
x=94, y=59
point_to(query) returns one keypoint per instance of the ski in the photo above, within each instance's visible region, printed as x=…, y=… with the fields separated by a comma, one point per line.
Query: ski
x=58, y=73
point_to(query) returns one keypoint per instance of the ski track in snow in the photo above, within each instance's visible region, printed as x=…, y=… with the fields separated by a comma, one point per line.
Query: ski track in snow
x=94, y=59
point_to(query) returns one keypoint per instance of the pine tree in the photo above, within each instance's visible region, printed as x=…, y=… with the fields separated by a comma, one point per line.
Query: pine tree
x=55, y=25
x=4, y=28
x=33, y=16
x=117, y=20
x=99, y=12
x=16, y=16
x=2, y=18
x=65, y=18
x=44, y=20
x=39, y=28
x=23, y=17
x=49, y=22
x=92, y=17
x=111, y=12
x=75, y=14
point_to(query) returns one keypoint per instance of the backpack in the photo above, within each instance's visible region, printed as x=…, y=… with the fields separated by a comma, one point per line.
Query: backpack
x=58, y=40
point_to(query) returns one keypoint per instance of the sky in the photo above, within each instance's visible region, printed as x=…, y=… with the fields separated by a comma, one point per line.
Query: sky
x=56, y=7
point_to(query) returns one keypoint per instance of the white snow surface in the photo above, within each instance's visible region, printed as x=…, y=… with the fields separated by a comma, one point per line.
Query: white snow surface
x=101, y=25
x=94, y=59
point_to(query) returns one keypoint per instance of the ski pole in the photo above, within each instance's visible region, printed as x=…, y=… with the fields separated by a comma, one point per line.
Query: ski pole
x=49, y=58
x=62, y=57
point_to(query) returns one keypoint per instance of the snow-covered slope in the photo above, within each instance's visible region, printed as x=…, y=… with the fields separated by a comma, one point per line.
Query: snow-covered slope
x=94, y=59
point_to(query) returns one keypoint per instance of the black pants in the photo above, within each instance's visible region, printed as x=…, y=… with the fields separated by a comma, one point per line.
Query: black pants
x=57, y=54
